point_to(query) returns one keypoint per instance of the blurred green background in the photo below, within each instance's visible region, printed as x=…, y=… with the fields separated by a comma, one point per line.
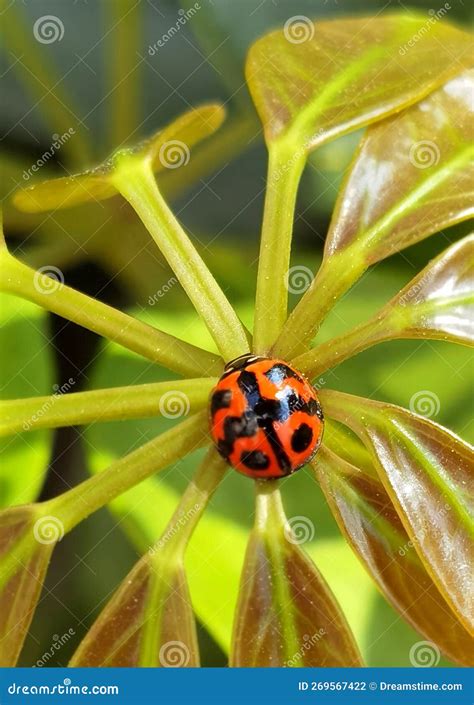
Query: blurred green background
x=204, y=61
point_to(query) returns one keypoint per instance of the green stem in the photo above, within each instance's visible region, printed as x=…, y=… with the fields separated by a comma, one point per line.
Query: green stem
x=136, y=182
x=123, y=66
x=331, y=353
x=169, y=399
x=335, y=276
x=193, y=503
x=270, y=523
x=167, y=556
x=77, y=504
x=285, y=167
x=162, y=348
x=42, y=81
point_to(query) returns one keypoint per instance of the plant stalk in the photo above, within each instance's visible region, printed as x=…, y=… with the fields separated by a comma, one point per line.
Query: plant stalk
x=335, y=276
x=136, y=182
x=169, y=399
x=162, y=348
x=77, y=504
x=285, y=167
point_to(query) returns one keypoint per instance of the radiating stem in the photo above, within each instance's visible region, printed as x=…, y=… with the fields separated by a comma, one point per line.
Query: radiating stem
x=285, y=167
x=136, y=182
x=77, y=504
x=332, y=352
x=193, y=503
x=169, y=399
x=122, y=64
x=270, y=522
x=162, y=348
x=335, y=276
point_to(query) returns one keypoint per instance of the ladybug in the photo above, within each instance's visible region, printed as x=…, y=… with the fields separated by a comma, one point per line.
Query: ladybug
x=265, y=417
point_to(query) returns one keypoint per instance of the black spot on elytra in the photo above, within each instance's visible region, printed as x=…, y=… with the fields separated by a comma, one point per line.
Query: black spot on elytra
x=255, y=460
x=301, y=438
x=220, y=400
x=279, y=372
x=248, y=385
x=244, y=426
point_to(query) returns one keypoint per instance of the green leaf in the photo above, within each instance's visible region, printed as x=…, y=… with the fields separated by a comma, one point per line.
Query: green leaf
x=26, y=367
x=312, y=81
x=167, y=149
x=391, y=200
x=286, y=614
x=427, y=473
x=370, y=523
x=27, y=539
x=437, y=303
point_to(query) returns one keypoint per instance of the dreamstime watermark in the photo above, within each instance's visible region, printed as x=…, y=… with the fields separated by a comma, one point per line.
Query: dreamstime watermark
x=173, y=404
x=308, y=642
x=183, y=17
x=49, y=403
x=57, y=643
x=424, y=654
x=435, y=16
x=411, y=295
x=299, y=530
x=298, y=279
x=425, y=403
x=57, y=142
x=175, y=527
x=437, y=514
x=48, y=279
x=155, y=298
x=424, y=154
x=48, y=529
x=174, y=154
x=174, y=654
x=298, y=29
x=48, y=29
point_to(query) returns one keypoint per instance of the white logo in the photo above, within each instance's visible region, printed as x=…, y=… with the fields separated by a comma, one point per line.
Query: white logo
x=48, y=529
x=424, y=154
x=48, y=29
x=298, y=29
x=48, y=279
x=299, y=530
x=425, y=403
x=424, y=654
x=174, y=404
x=174, y=154
x=174, y=654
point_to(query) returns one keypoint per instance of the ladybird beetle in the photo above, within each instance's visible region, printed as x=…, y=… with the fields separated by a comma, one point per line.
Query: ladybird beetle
x=266, y=419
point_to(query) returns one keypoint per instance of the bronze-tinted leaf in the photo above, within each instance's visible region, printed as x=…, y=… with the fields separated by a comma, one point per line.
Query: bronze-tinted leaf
x=393, y=197
x=286, y=614
x=370, y=523
x=427, y=473
x=148, y=622
x=424, y=183
x=26, y=543
x=313, y=81
x=167, y=149
x=438, y=303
